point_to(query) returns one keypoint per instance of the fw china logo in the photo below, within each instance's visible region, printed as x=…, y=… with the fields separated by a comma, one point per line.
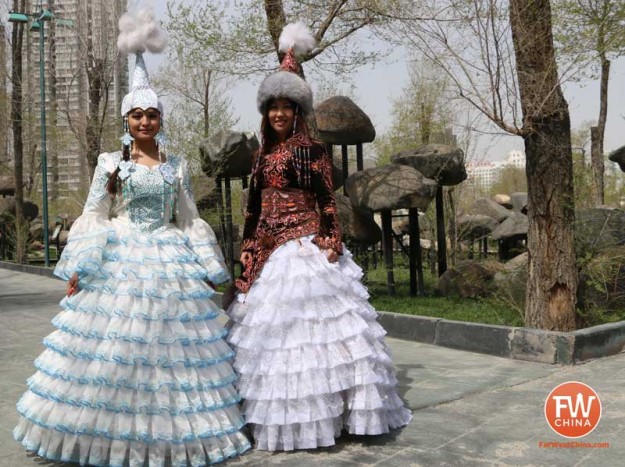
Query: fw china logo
x=573, y=409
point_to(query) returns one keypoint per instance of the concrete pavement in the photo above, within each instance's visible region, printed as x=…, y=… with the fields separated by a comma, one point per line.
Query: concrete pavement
x=469, y=409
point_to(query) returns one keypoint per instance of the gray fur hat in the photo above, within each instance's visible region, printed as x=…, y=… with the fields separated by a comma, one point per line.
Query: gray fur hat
x=295, y=39
x=285, y=84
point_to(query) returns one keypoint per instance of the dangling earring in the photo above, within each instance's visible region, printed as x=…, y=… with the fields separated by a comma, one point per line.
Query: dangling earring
x=126, y=138
x=294, y=124
x=160, y=137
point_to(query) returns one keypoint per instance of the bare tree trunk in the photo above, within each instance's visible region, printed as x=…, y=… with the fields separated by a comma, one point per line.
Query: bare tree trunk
x=4, y=99
x=17, y=39
x=276, y=20
x=207, y=85
x=425, y=125
x=552, y=273
x=95, y=70
x=51, y=80
x=453, y=227
x=597, y=133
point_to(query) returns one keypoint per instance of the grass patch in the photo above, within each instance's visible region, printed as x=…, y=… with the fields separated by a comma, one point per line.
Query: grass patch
x=480, y=310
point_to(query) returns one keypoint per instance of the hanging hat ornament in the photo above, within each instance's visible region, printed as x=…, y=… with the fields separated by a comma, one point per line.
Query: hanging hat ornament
x=295, y=41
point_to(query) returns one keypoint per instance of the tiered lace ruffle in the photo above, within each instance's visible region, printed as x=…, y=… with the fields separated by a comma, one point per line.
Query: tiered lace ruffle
x=137, y=372
x=310, y=353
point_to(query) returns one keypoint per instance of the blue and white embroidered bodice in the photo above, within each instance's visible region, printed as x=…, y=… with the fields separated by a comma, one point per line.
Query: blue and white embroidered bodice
x=143, y=213
x=148, y=201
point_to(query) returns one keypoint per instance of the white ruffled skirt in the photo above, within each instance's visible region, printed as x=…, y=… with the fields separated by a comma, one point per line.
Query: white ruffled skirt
x=137, y=372
x=310, y=354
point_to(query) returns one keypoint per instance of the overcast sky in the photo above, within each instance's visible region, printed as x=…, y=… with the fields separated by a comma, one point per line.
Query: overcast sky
x=376, y=86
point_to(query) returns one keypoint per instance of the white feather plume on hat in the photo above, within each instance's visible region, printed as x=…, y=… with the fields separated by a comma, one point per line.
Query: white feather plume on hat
x=139, y=32
x=298, y=37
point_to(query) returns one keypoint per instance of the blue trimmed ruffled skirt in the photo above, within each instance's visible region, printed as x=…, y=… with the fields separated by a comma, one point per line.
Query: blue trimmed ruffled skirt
x=137, y=372
x=310, y=354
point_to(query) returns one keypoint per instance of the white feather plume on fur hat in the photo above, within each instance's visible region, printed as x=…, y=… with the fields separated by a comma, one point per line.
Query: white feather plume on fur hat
x=295, y=40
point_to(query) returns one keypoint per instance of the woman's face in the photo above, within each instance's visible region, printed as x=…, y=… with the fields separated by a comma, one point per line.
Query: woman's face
x=281, y=117
x=144, y=124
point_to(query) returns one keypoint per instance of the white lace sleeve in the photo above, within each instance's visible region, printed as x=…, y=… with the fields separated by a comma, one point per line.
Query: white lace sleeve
x=201, y=237
x=89, y=233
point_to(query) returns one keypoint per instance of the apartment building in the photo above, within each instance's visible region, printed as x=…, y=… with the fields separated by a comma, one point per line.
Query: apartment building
x=484, y=174
x=79, y=57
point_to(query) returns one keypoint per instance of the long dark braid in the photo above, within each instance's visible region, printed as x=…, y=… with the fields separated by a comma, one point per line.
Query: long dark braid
x=112, y=186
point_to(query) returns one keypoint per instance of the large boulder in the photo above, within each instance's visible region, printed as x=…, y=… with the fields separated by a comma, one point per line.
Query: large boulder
x=357, y=223
x=7, y=205
x=468, y=279
x=440, y=162
x=229, y=154
x=519, y=202
x=7, y=185
x=337, y=174
x=340, y=121
x=511, y=282
x=203, y=185
x=503, y=200
x=598, y=228
x=490, y=208
x=390, y=187
x=475, y=226
x=35, y=231
x=618, y=156
x=63, y=236
x=401, y=225
x=31, y=210
x=514, y=226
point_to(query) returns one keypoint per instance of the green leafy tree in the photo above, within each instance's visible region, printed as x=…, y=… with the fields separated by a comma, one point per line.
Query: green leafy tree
x=590, y=34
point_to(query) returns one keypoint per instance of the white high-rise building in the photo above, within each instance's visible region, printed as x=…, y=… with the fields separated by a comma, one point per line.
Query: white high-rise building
x=78, y=58
x=516, y=158
x=485, y=174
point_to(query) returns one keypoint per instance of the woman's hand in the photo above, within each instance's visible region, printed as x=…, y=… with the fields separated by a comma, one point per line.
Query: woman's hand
x=72, y=285
x=246, y=257
x=332, y=255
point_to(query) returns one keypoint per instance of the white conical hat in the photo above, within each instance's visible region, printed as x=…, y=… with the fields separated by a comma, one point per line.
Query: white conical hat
x=137, y=33
x=141, y=95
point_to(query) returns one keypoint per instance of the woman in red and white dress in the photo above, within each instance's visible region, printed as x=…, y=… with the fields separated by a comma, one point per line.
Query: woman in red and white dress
x=309, y=352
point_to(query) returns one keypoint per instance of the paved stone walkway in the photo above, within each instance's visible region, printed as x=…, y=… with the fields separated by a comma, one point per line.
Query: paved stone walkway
x=469, y=409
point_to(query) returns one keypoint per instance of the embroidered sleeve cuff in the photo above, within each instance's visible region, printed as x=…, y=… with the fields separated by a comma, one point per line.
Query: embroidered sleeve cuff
x=329, y=242
x=247, y=245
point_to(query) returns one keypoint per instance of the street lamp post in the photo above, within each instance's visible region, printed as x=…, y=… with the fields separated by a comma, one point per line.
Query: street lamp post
x=44, y=156
x=39, y=24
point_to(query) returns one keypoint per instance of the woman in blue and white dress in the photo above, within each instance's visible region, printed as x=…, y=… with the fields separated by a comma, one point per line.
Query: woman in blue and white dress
x=137, y=372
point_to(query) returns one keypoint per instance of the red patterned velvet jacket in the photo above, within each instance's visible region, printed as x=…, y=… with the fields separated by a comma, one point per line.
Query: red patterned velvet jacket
x=285, y=189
